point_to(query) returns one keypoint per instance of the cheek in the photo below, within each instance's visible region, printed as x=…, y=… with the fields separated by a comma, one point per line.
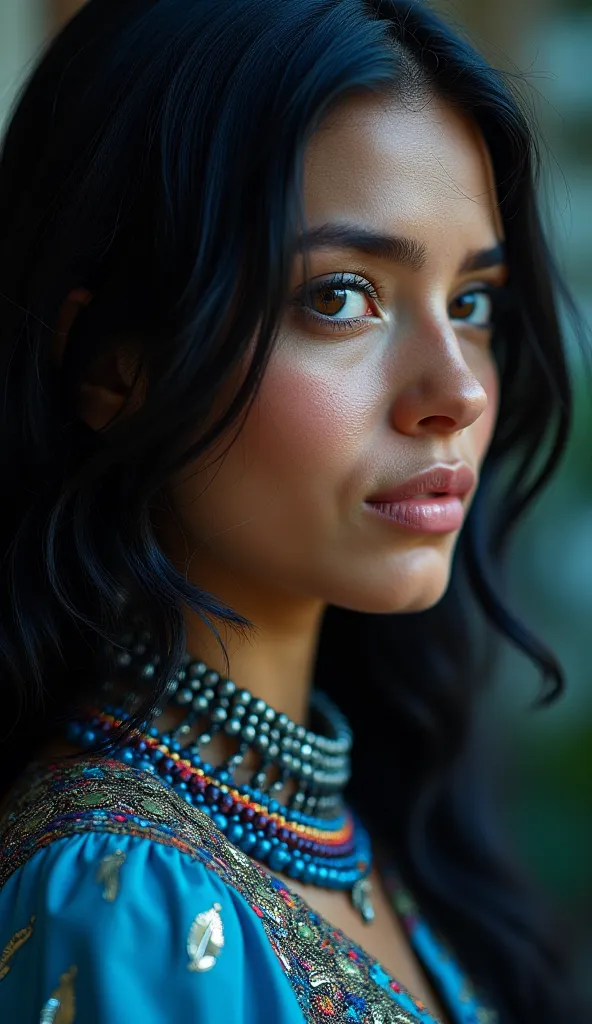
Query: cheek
x=483, y=428
x=306, y=419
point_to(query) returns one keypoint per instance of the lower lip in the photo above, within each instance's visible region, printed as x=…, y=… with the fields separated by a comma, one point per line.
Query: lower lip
x=424, y=515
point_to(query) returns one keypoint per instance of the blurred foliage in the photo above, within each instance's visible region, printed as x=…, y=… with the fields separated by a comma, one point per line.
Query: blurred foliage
x=545, y=756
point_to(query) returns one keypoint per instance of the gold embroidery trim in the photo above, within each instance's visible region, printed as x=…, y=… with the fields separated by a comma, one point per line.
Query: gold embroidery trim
x=61, y=1007
x=18, y=939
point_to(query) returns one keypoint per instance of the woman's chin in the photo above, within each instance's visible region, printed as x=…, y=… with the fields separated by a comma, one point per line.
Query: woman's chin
x=414, y=585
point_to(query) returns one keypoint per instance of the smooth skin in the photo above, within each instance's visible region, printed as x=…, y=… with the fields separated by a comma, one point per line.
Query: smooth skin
x=278, y=528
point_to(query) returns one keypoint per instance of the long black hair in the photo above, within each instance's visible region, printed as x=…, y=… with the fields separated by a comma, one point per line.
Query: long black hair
x=155, y=157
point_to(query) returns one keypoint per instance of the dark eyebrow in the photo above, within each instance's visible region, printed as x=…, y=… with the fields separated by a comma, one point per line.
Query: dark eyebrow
x=407, y=252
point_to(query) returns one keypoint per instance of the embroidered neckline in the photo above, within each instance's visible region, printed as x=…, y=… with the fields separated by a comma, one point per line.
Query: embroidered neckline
x=330, y=975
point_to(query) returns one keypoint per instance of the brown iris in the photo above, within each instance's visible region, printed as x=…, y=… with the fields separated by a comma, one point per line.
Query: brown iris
x=462, y=307
x=329, y=300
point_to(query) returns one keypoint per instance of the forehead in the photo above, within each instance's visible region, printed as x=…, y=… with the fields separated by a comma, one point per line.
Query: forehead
x=419, y=167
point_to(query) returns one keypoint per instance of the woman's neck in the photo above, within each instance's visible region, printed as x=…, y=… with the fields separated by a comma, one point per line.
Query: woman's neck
x=275, y=665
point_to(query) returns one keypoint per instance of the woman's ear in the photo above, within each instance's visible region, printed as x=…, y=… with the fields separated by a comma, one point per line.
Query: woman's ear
x=110, y=378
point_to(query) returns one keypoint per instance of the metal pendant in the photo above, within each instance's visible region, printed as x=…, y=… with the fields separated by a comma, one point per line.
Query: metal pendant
x=206, y=939
x=361, y=897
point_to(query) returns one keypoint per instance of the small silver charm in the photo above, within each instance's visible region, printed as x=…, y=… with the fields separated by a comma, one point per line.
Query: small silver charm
x=361, y=897
x=205, y=940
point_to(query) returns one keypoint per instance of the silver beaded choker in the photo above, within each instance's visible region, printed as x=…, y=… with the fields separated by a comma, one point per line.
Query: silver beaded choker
x=318, y=762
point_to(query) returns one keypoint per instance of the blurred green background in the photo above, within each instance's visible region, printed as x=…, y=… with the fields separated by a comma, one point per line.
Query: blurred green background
x=545, y=757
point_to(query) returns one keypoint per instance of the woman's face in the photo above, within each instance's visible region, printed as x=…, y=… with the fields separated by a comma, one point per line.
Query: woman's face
x=382, y=372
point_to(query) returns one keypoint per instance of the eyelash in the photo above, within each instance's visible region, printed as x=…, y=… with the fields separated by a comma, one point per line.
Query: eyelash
x=500, y=296
x=343, y=281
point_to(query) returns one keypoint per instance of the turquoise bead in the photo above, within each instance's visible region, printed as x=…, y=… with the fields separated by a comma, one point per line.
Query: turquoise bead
x=310, y=873
x=295, y=867
x=248, y=842
x=262, y=849
x=235, y=833
x=278, y=859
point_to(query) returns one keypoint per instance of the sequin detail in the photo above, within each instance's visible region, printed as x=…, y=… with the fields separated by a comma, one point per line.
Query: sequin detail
x=61, y=1007
x=18, y=939
x=468, y=994
x=206, y=939
x=332, y=978
x=108, y=874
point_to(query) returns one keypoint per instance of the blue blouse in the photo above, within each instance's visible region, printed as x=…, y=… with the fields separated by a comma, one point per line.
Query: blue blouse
x=120, y=903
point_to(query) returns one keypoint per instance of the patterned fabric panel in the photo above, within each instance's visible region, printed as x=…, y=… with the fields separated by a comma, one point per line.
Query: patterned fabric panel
x=333, y=979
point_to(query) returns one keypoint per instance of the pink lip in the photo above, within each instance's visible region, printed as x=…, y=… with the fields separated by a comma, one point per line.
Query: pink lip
x=430, y=502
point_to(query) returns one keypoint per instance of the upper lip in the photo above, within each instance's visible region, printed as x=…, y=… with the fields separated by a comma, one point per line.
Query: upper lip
x=437, y=480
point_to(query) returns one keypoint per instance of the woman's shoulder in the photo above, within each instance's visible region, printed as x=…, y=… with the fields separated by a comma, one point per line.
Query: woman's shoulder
x=119, y=902
x=74, y=796
x=118, y=896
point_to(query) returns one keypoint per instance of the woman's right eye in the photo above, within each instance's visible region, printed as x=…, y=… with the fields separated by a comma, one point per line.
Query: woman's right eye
x=342, y=303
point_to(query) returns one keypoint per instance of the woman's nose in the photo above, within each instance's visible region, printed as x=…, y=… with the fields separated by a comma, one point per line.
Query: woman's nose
x=436, y=392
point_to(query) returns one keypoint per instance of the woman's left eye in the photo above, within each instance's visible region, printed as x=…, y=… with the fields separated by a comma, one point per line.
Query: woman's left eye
x=342, y=303
x=476, y=307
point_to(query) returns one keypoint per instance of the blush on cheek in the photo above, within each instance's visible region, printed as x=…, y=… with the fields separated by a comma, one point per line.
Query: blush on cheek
x=483, y=428
x=306, y=418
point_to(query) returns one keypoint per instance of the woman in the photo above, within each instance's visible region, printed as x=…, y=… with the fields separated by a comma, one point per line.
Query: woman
x=274, y=297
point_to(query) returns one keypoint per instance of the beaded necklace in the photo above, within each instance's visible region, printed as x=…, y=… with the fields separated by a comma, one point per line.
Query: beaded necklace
x=313, y=835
